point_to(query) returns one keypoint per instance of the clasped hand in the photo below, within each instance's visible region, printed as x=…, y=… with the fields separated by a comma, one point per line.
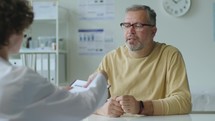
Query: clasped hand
x=117, y=106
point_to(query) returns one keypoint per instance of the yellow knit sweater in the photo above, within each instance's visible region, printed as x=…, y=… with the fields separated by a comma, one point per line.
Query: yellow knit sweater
x=160, y=77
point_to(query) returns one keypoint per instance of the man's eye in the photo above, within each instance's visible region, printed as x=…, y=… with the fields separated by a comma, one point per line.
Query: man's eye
x=127, y=25
x=139, y=25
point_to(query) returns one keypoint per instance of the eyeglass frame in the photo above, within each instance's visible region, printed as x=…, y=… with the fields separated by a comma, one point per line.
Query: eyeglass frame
x=135, y=26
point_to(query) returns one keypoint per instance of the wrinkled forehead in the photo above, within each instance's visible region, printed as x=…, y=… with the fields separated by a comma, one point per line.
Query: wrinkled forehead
x=136, y=16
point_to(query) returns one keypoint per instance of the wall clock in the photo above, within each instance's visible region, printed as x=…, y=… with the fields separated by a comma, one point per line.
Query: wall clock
x=176, y=7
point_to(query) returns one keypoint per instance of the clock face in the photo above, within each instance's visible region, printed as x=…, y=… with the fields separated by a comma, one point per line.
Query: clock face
x=176, y=7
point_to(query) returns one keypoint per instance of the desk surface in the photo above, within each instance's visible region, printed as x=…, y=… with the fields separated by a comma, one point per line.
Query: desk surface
x=190, y=117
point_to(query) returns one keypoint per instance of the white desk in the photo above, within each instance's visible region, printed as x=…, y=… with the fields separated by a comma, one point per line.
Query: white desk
x=190, y=117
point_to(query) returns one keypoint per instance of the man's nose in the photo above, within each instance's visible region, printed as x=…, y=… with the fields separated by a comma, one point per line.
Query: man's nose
x=131, y=29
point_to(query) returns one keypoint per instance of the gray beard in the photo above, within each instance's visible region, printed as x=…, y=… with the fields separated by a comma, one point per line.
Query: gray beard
x=134, y=48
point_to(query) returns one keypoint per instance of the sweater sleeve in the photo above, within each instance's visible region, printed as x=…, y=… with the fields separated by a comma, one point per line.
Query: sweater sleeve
x=178, y=98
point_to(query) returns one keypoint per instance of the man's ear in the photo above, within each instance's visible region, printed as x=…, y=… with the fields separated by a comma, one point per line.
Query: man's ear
x=154, y=30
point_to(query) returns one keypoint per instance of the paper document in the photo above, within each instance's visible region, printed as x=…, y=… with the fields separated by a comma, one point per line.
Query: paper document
x=78, y=86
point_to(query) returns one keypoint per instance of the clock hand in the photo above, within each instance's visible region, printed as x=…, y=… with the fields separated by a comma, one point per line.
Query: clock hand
x=176, y=1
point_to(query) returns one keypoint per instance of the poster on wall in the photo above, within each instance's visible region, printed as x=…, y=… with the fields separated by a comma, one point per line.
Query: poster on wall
x=94, y=41
x=96, y=9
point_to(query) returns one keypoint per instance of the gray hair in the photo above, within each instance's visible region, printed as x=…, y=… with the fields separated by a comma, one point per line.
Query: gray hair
x=150, y=12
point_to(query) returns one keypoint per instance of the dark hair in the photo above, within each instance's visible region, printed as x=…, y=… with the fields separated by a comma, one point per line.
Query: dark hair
x=150, y=12
x=15, y=17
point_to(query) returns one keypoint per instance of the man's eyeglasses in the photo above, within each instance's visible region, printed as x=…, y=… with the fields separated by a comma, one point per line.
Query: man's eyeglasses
x=137, y=26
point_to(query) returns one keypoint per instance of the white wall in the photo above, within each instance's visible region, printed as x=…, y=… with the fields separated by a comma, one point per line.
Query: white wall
x=192, y=34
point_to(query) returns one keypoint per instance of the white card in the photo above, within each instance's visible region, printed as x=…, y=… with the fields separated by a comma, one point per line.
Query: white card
x=78, y=86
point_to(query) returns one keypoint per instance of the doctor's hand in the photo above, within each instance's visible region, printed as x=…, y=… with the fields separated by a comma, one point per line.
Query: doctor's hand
x=68, y=88
x=111, y=108
x=92, y=76
x=129, y=104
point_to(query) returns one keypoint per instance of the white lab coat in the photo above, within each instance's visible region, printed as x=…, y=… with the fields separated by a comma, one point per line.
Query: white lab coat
x=26, y=96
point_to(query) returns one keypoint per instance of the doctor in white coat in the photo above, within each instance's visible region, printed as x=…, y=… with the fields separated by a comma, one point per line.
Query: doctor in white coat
x=27, y=96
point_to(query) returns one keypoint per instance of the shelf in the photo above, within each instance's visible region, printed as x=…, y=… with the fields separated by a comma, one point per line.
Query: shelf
x=44, y=48
x=41, y=51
